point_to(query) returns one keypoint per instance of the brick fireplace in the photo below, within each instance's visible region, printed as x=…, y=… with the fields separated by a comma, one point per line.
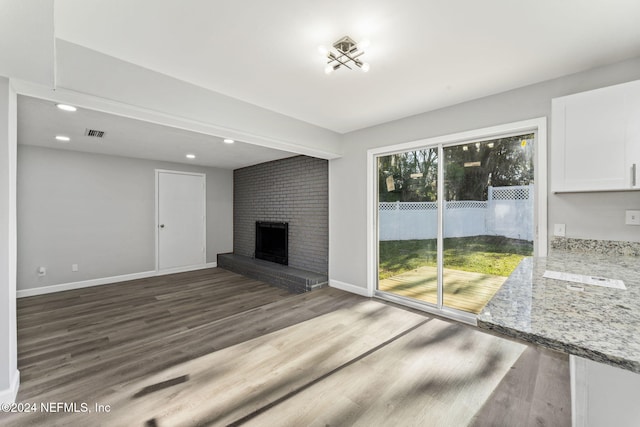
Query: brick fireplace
x=292, y=191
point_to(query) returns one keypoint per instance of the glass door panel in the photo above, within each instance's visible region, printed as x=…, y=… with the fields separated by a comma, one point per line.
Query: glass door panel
x=488, y=217
x=408, y=224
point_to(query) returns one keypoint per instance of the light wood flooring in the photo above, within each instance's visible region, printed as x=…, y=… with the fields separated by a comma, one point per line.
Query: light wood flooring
x=463, y=290
x=214, y=348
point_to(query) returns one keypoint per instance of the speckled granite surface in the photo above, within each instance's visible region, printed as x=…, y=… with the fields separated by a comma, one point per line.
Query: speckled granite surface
x=601, y=324
x=605, y=247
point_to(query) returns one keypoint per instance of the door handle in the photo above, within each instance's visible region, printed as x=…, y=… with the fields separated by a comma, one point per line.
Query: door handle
x=161, y=226
x=633, y=175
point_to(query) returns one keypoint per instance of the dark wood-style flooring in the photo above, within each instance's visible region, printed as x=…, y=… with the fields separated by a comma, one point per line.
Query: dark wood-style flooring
x=214, y=348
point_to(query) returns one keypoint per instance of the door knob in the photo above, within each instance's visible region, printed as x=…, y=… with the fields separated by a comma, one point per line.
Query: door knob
x=161, y=225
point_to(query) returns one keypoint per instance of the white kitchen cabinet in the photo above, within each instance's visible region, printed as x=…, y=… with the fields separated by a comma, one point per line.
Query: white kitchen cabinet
x=595, y=140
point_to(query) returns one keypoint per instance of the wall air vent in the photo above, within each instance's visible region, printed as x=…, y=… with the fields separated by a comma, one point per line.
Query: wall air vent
x=94, y=133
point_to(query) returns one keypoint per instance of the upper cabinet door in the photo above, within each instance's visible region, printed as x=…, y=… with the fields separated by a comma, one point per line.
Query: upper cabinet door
x=594, y=140
x=632, y=136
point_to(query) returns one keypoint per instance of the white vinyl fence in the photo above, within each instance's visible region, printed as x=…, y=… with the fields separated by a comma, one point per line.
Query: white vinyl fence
x=508, y=212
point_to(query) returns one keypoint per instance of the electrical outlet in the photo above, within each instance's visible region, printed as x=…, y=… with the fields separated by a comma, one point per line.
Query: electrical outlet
x=74, y=267
x=42, y=271
x=632, y=218
x=559, y=230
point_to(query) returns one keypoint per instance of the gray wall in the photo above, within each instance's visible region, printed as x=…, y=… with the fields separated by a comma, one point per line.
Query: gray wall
x=292, y=190
x=594, y=215
x=98, y=211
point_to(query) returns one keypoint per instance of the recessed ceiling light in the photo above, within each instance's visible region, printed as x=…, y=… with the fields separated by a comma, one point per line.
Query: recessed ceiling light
x=62, y=138
x=228, y=141
x=66, y=107
x=190, y=156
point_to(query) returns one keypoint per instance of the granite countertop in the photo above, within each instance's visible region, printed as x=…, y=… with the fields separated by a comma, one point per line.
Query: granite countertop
x=599, y=323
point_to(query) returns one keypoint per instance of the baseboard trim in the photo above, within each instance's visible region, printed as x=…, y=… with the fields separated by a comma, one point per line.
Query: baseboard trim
x=349, y=288
x=9, y=395
x=22, y=293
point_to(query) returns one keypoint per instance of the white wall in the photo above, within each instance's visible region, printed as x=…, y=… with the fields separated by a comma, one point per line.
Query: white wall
x=597, y=215
x=27, y=40
x=98, y=211
x=89, y=72
x=8, y=344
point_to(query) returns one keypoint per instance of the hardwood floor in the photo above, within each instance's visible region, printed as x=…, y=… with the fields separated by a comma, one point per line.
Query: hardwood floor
x=536, y=389
x=463, y=290
x=214, y=348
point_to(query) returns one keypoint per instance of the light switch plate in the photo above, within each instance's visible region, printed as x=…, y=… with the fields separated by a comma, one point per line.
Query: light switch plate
x=559, y=230
x=632, y=218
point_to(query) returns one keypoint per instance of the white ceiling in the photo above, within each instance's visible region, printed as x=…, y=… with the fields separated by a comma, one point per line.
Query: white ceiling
x=40, y=121
x=424, y=54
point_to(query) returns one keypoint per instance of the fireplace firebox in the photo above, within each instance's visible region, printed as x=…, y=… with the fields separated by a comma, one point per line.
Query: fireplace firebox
x=272, y=241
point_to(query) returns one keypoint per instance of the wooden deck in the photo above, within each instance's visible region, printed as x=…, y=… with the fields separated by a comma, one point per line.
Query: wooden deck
x=463, y=290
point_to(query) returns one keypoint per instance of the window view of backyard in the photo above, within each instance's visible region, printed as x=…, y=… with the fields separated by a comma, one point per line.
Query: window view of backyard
x=487, y=220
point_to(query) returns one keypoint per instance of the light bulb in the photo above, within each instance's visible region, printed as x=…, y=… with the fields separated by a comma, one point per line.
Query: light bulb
x=328, y=69
x=365, y=67
x=228, y=141
x=63, y=138
x=323, y=50
x=190, y=156
x=66, y=107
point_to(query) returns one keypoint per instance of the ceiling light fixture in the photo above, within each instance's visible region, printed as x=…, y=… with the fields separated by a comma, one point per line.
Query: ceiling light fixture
x=347, y=53
x=62, y=138
x=66, y=107
x=190, y=156
x=228, y=141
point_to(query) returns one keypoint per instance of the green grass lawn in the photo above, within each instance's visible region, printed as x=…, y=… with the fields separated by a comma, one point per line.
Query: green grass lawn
x=493, y=255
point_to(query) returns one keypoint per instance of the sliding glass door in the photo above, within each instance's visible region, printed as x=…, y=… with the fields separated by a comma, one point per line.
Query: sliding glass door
x=408, y=224
x=453, y=221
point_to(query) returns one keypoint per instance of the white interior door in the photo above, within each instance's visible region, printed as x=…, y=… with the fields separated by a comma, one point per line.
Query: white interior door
x=181, y=224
